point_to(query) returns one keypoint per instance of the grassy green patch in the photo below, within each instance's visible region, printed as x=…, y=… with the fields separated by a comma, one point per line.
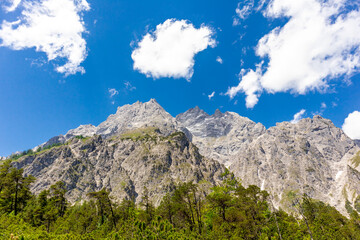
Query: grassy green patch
x=148, y=133
x=82, y=138
x=356, y=160
x=30, y=152
x=357, y=204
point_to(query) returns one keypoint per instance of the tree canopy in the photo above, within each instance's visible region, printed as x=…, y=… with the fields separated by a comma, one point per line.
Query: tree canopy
x=228, y=211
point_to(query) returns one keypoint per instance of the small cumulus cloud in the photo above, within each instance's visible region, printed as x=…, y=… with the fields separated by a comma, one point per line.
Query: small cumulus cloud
x=298, y=116
x=351, y=125
x=320, y=112
x=54, y=27
x=210, y=96
x=318, y=44
x=250, y=85
x=169, y=50
x=219, y=60
x=323, y=105
x=113, y=92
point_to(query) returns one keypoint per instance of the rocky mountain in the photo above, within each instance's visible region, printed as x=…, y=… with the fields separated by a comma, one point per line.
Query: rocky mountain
x=312, y=156
x=127, y=117
x=124, y=164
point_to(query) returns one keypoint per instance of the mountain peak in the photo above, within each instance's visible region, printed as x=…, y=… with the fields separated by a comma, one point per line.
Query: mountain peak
x=218, y=113
x=153, y=100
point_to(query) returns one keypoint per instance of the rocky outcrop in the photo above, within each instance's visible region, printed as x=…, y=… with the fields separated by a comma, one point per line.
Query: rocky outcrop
x=124, y=164
x=221, y=136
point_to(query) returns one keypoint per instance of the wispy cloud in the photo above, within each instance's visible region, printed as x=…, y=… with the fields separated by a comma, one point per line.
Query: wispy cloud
x=320, y=112
x=54, y=27
x=219, y=60
x=169, y=51
x=210, y=96
x=113, y=92
x=129, y=86
x=245, y=8
x=13, y=5
x=319, y=43
x=298, y=116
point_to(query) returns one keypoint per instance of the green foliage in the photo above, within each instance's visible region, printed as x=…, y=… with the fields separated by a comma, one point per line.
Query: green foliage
x=82, y=138
x=229, y=211
x=357, y=203
x=14, y=188
x=30, y=152
x=39, y=150
x=141, y=134
x=356, y=160
x=16, y=156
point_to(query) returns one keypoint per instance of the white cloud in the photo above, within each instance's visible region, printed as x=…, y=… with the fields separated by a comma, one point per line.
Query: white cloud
x=219, y=60
x=319, y=43
x=320, y=112
x=250, y=85
x=169, y=51
x=54, y=27
x=351, y=125
x=244, y=8
x=211, y=95
x=323, y=105
x=298, y=116
x=113, y=92
x=236, y=21
x=129, y=86
x=13, y=5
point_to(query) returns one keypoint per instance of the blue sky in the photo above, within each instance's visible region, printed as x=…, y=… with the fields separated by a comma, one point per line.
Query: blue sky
x=83, y=60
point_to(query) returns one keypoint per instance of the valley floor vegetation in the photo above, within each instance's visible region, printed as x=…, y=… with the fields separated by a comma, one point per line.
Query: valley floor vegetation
x=228, y=211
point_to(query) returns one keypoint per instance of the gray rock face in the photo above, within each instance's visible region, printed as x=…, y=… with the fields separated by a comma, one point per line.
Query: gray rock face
x=129, y=117
x=220, y=136
x=311, y=156
x=124, y=164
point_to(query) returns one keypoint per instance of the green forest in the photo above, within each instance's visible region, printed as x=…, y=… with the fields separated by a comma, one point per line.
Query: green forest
x=227, y=211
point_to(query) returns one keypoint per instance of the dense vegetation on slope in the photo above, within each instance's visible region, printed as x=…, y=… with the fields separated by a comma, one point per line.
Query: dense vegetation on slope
x=230, y=211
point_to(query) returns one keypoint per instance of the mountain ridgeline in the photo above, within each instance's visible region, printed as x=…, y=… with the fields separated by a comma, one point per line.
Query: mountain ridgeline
x=142, y=148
